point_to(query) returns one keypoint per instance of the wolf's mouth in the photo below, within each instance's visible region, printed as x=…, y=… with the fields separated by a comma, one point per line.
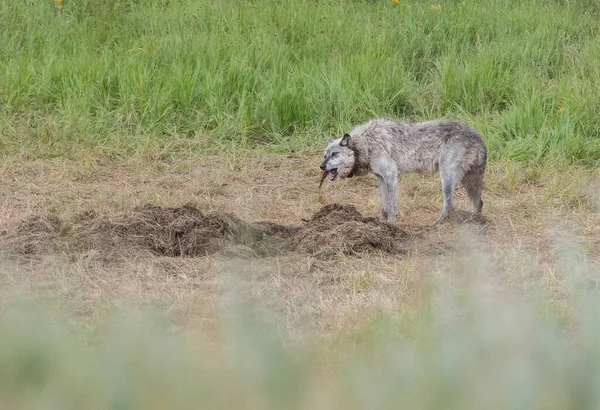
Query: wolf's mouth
x=332, y=176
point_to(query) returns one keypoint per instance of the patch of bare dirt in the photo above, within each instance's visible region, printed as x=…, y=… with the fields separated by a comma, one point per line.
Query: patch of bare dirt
x=464, y=217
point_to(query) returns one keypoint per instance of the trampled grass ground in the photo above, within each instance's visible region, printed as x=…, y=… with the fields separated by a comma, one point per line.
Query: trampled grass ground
x=502, y=306
x=527, y=211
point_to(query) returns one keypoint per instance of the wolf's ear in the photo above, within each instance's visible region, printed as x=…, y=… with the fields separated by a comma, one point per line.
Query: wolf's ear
x=330, y=141
x=345, y=140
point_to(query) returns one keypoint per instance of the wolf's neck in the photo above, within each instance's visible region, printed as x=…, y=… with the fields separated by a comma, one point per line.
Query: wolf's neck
x=361, y=164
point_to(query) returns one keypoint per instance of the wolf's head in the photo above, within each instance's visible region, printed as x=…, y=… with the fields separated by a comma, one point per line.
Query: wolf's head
x=338, y=158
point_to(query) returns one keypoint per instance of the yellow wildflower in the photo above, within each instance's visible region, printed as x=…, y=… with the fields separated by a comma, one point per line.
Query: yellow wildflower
x=395, y=1
x=434, y=7
x=561, y=110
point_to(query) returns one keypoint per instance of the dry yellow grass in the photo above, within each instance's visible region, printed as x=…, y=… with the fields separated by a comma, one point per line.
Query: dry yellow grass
x=526, y=210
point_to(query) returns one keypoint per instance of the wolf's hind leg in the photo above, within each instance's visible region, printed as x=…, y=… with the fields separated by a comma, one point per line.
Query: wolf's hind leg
x=449, y=180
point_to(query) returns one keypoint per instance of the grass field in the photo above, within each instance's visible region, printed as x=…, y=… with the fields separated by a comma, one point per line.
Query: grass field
x=142, y=141
x=122, y=77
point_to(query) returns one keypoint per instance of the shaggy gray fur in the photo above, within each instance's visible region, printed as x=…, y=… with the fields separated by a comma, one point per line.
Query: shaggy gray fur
x=389, y=149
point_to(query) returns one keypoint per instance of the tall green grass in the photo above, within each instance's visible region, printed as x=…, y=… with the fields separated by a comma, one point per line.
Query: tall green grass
x=470, y=344
x=121, y=77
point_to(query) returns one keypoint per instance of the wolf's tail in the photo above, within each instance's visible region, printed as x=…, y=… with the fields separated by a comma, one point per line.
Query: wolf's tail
x=473, y=181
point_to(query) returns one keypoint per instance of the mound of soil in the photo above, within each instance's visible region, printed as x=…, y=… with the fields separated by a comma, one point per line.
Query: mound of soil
x=35, y=235
x=341, y=229
x=181, y=231
x=188, y=232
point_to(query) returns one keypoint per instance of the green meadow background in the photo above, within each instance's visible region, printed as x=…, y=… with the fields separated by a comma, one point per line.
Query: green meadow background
x=120, y=77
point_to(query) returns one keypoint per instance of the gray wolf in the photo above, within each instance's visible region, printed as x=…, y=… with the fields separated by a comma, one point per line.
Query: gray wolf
x=390, y=149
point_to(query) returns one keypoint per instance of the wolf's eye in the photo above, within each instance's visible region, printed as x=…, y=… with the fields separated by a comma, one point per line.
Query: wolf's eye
x=333, y=154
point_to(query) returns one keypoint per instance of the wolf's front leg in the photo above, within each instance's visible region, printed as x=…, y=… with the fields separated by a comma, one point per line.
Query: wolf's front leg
x=391, y=181
x=383, y=197
x=387, y=180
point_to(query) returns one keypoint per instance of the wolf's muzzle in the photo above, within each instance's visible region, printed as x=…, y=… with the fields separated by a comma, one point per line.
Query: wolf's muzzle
x=323, y=166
